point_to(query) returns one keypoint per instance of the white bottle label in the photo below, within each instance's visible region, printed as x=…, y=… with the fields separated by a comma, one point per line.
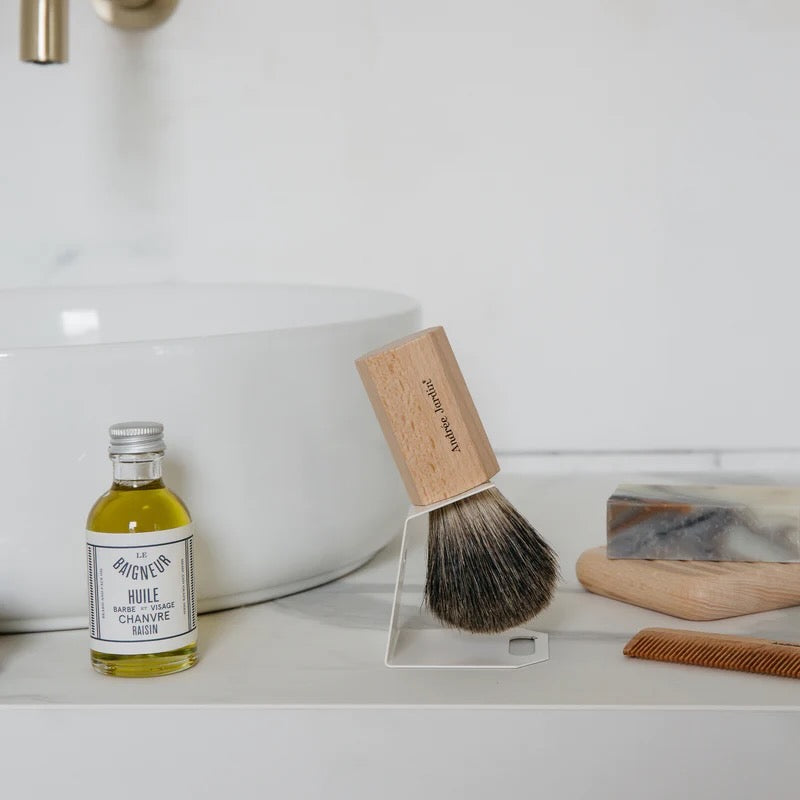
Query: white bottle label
x=141, y=591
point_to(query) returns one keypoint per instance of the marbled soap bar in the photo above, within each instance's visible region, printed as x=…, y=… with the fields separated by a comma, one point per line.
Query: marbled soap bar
x=705, y=523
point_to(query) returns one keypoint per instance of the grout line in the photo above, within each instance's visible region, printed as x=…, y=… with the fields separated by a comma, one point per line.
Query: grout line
x=714, y=452
x=654, y=461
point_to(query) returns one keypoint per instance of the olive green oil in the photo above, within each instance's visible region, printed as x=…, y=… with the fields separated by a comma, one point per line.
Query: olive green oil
x=141, y=596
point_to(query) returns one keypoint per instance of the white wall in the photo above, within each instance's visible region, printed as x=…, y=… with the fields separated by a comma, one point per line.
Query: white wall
x=599, y=200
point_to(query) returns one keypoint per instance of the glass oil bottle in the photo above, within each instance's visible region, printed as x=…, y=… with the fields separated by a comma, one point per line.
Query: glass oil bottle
x=142, y=603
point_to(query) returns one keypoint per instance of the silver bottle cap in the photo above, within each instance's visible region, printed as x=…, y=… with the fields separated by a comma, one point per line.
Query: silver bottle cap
x=136, y=437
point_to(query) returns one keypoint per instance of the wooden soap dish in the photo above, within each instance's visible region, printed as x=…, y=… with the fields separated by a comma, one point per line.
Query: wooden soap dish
x=697, y=590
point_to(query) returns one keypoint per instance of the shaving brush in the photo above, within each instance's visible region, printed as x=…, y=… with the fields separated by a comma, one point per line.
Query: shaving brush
x=488, y=569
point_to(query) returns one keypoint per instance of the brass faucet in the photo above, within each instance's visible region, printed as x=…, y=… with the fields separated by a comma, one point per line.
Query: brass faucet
x=43, y=24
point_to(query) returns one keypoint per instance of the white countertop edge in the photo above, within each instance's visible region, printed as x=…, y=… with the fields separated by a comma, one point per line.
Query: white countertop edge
x=390, y=707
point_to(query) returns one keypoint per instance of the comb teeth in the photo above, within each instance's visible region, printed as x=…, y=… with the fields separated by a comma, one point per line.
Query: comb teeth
x=716, y=650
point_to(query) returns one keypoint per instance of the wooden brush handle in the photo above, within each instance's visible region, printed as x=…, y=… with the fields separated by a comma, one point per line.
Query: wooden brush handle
x=428, y=417
x=719, y=650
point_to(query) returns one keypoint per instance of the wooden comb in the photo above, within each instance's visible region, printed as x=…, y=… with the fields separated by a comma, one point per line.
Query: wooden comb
x=718, y=650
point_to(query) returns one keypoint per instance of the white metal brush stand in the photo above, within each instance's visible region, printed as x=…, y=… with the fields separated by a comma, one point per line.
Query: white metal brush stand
x=418, y=640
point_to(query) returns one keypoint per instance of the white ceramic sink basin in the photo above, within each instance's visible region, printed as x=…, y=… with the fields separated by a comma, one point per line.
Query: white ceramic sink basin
x=270, y=439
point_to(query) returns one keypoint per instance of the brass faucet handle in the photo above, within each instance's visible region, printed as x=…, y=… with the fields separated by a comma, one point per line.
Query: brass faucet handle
x=134, y=14
x=43, y=24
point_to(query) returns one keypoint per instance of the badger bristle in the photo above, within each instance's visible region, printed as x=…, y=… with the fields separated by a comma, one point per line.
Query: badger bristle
x=488, y=569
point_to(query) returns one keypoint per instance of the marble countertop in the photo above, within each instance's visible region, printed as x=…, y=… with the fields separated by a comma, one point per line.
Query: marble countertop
x=325, y=647
x=291, y=699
